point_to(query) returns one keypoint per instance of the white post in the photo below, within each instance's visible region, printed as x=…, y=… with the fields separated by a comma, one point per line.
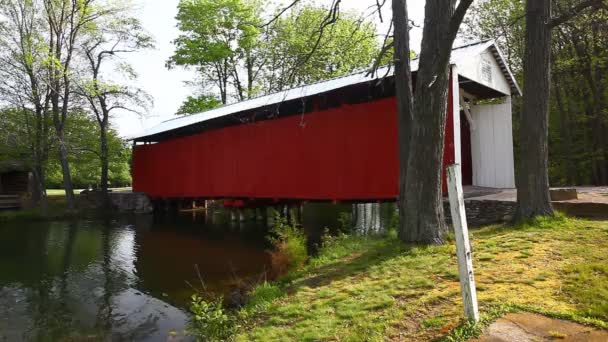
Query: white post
x=463, y=246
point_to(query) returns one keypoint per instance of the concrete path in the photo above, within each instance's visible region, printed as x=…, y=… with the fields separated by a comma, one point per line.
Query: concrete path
x=527, y=327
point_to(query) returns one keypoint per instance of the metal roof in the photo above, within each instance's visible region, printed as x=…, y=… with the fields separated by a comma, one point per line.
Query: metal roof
x=459, y=55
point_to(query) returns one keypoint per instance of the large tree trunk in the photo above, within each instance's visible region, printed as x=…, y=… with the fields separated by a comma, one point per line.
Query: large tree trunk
x=104, y=156
x=405, y=105
x=40, y=155
x=39, y=191
x=533, y=197
x=65, y=168
x=422, y=215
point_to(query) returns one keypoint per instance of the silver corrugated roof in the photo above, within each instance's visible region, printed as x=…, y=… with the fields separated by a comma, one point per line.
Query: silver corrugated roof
x=459, y=55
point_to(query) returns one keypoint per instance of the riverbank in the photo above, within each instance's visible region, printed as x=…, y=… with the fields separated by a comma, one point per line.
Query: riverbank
x=377, y=289
x=86, y=207
x=56, y=210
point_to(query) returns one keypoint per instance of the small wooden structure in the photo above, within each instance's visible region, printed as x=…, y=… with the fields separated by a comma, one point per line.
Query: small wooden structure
x=15, y=183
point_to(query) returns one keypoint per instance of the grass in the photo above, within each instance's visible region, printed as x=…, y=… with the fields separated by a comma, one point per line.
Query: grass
x=56, y=208
x=379, y=289
x=61, y=192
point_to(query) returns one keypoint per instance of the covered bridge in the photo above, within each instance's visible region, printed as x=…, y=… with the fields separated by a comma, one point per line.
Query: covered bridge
x=334, y=140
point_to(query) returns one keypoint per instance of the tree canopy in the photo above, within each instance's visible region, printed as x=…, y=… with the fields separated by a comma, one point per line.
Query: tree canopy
x=237, y=56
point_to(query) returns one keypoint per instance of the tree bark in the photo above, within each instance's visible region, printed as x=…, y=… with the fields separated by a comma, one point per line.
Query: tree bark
x=104, y=155
x=533, y=198
x=405, y=105
x=65, y=168
x=421, y=212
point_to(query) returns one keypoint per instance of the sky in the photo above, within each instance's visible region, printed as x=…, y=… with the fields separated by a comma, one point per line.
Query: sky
x=168, y=88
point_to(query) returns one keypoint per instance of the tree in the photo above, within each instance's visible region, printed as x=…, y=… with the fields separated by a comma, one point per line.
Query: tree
x=247, y=58
x=580, y=101
x=114, y=35
x=84, y=154
x=23, y=86
x=198, y=104
x=579, y=61
x=533, y=198
x=296, y=52
x=422, y=124
x=218, y=39
x=66, y=20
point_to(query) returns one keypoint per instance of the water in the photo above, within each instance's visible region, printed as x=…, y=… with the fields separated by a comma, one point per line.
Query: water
x=127, y=278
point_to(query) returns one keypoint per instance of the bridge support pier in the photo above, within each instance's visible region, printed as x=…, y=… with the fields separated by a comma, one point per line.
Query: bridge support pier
x=232, y=214
x=261, y=214
x=242, y=216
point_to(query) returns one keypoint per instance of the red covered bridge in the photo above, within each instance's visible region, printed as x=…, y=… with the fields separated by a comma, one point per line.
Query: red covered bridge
x=330, y=141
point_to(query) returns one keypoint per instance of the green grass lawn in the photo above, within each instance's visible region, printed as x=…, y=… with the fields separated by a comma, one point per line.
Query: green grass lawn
x=378, y=289
x=61, y=192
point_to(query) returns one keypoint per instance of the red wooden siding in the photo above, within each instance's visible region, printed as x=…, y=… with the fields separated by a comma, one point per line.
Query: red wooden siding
x=345, y=153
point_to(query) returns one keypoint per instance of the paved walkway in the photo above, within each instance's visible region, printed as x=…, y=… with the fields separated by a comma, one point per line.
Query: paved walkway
x=585, y=194
x=527, y=327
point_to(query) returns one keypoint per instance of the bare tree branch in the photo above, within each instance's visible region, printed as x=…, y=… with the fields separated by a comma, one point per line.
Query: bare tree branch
x=458, y=16
x=576, y=10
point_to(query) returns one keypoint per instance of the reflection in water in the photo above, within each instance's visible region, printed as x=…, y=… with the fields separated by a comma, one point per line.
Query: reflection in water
x=127, y=279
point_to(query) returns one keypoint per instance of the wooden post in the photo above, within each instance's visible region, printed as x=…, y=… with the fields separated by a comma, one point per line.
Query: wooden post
x=463, y=246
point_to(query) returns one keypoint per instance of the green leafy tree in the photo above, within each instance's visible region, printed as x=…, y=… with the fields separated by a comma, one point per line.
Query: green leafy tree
x=115, y=35
x=238, y=57
x=24, y=89
x=298, y=53
x=218, y=39
x=577, y=149
x=198, y=104
x=83, y=146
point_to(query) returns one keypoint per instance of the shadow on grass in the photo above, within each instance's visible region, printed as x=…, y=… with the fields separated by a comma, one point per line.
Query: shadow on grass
x=355, y=265
x=559, y=221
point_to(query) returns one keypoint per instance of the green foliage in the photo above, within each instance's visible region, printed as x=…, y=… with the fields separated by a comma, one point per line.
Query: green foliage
x=15, y=141
x=82, y=133
x=83, y=149
x=345, y=222
x=209, y=321
x=218, y=39
x=289, y=243
x=222, y=40
x=578, y=112
x=198, y=104
x=295, y=58
x=213, y=31
x=263, y=295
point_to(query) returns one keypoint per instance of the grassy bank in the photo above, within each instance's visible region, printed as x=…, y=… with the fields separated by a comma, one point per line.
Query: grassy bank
x=376, y=289
x=56, y=208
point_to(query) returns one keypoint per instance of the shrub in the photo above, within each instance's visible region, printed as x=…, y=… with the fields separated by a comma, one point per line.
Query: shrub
x=209, y=321
x=345, y=221
x=289, y=243
x=263, y=295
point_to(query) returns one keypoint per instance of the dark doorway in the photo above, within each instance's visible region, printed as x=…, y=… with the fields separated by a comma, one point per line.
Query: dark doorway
x=467, y=158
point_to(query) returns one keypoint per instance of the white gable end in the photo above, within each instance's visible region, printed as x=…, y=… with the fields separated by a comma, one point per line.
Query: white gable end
x=483, y=68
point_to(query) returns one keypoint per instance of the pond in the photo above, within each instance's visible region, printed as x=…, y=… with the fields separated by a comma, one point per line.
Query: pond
x=129, y=278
